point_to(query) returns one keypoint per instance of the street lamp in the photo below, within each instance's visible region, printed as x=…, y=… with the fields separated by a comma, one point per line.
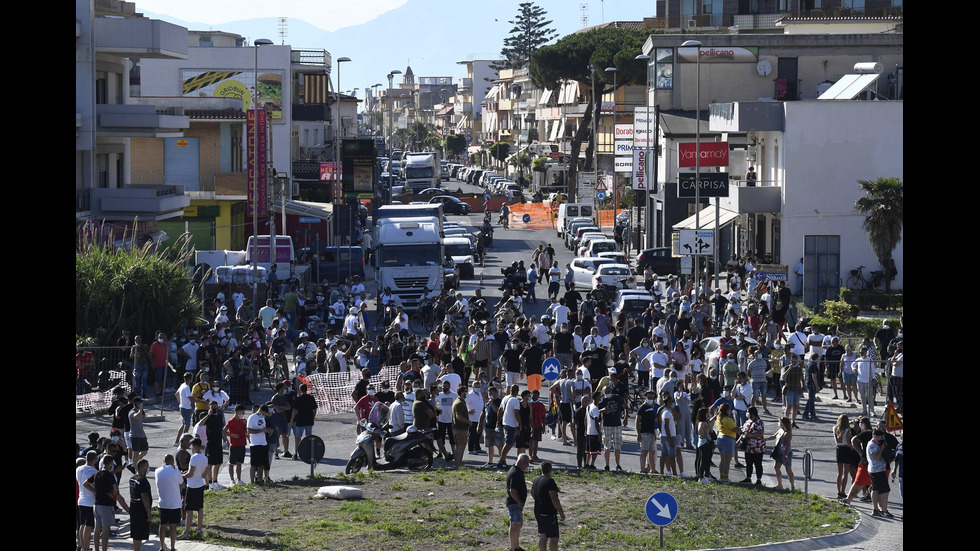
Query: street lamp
x=374, y=104
x=595, y=150
x=391, y=127
x=646, y=157
x=697, y=160
x=255, y=175
x=615, y=177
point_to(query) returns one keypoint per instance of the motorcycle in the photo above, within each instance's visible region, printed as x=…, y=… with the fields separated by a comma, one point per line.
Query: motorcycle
x=412, y=449
x=514, y=282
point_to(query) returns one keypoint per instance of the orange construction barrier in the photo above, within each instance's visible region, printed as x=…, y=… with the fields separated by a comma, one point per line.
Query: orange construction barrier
x=607, y=217
x=540, y=215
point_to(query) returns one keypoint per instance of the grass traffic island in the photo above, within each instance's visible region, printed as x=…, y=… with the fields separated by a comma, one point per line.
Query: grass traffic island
x=465, y=509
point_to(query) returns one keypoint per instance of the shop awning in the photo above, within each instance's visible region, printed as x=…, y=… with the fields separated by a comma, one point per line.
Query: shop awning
x=725, y=216
x=306, y=208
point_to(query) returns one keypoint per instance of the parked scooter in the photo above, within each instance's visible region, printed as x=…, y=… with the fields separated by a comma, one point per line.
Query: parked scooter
x=412, y=449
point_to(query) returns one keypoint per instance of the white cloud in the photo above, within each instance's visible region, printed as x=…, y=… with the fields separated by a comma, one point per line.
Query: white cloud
x=325, y=14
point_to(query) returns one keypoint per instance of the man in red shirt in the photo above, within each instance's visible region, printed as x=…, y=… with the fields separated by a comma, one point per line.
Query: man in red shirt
x=236, y=432
x=158, y=361
x=83, y=360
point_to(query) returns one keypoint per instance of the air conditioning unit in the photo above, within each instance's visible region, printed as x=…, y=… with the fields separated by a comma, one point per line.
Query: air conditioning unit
x=692, y=23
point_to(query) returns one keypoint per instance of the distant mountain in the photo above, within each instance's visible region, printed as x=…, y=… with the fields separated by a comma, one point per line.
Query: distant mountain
x=429, y=35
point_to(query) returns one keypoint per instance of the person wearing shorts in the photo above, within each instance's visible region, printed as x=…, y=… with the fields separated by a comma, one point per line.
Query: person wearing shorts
x=547, y=508
x=194, y=496
x=259, y=451
x=103, y=485
x=235, y=432
x=168, y=480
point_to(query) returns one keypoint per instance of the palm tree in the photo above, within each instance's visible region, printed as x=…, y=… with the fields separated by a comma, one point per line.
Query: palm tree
x=883, y=207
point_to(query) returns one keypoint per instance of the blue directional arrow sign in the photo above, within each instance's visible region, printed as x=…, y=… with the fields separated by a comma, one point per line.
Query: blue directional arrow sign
x=600, y=196
x=551, y=368
x=526, y=218
x=661, y=509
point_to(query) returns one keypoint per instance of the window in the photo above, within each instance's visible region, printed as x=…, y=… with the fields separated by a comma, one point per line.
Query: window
x=101, y=88
x=662, y=69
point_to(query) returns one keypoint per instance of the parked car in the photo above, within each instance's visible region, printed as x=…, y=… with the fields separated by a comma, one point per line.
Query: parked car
x=452, y=205
x=613, y=275
x=597, y=246
x=630, y=305
x=659, y=260
x=432, y=191
x=584, y=268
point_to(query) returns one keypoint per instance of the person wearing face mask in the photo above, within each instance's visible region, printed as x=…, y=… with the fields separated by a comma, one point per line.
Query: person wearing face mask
x=757, y=374
x=647, y=419
x=235, y=433
x=281, y=414
x=186, y=406
x=666, y=383
x=188, y=352
x=159, y=351
x=258, y=431
x=197, y=394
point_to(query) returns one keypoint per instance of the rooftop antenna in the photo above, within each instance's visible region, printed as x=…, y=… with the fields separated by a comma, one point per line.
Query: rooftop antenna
x=283, y=30
x=585, y=15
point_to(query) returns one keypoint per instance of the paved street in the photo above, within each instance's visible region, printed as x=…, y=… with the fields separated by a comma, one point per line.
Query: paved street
x=337, y=431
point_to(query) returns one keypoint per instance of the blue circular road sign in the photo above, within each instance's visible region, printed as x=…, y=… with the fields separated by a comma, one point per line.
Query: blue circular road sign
x=600, y=196
x=661, y=509
x=526, y=218
x=551, y=368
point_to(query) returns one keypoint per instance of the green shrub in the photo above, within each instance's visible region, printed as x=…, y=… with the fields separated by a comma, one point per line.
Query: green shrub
x=141, y=289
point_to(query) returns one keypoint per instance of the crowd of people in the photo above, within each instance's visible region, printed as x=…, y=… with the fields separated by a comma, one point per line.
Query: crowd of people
x=477, y=379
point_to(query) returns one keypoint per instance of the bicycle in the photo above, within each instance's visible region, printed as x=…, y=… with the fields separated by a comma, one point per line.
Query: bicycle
x=423, y=321
x=279, y=371
x=857, y=281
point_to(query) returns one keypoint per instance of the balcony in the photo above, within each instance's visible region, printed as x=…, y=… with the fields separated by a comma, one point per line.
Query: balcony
x=315, y=61
x=757, y=22
x=505, y=104
x=311, y=112
x=748, y=116
x=138, y=121
x=150, y=203
x=465, y=83
x=758, y=199
x=140, y=38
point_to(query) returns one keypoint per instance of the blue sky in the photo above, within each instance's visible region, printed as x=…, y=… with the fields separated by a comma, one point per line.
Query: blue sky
x=381, y=35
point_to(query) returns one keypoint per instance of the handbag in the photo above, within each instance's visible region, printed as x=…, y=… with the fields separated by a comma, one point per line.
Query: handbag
x=777, y=450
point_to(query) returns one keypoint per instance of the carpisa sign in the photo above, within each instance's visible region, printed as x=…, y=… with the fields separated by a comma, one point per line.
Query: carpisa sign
x=712, y=154
x=713, y=184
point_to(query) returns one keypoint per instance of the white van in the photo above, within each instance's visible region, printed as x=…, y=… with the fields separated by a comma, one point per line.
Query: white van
x=568, y=211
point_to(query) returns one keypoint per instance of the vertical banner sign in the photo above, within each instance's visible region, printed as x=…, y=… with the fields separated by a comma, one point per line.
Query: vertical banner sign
x=640, y=170
x=258, y=192
x=643, y=127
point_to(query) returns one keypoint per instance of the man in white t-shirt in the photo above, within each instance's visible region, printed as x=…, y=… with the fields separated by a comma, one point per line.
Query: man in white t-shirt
x=799, y=341
x=656, y=362
x=194, y=495
x=86, y=499
x=352, y=324
x=258, y=428
x=186, y=406
x=864, y=368
x=168, y=480
x=474, y=407
x=510, y=417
